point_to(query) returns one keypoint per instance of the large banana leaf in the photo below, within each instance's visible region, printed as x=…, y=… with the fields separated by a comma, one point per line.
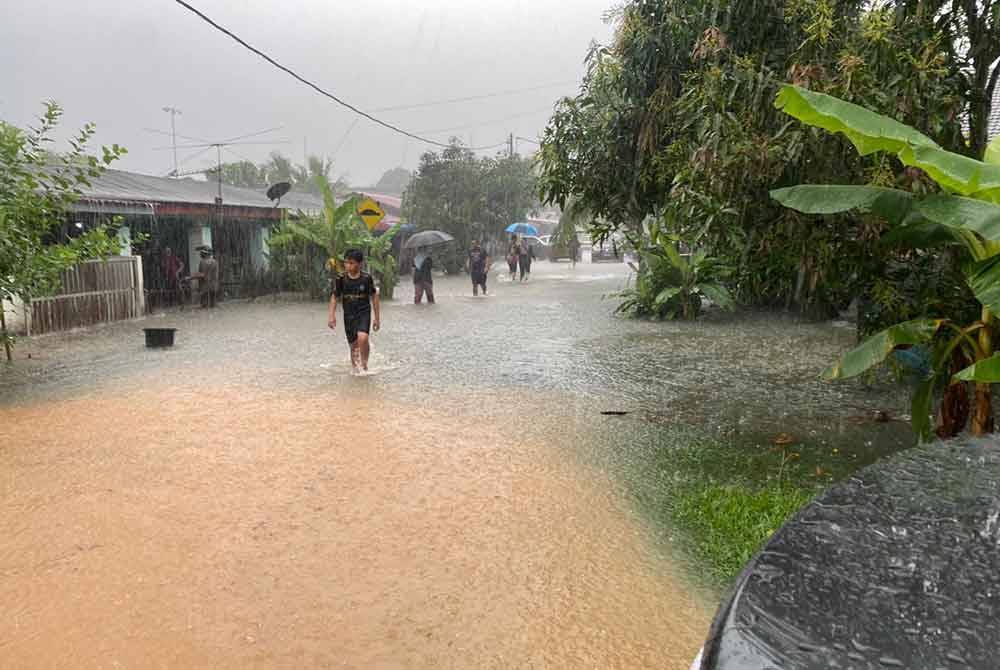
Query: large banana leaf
x=868, y=131
x=871, y=132
x=984, y=280
x=877, y=348
x=980, y=217
x=891, y=204
x=984, y=371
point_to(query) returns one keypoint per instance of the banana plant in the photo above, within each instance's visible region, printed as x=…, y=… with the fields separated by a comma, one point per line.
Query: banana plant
x=339, y=229
x=671, y=284
x=966, y=211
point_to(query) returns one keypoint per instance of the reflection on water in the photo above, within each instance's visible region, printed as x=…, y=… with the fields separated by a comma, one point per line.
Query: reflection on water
x=241, y=501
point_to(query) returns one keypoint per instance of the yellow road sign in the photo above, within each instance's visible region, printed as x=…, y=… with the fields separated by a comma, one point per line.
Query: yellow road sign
x=370, y=212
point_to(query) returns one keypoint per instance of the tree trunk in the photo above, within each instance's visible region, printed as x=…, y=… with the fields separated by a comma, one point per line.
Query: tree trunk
x=954, y=413
x=3, y=333
x=982, y=416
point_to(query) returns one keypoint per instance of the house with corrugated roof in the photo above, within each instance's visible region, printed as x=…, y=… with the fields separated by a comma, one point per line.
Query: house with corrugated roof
x=159, y=213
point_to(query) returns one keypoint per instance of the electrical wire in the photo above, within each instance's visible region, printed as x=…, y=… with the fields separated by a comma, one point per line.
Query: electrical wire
x=485, y=96
x=308, y=83
x=220, y=144
x=488, y=123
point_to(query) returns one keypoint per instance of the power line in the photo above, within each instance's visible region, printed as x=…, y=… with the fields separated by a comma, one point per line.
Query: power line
x=488, y=123
x=485, y=96
x=305, y=81
x=215, y=144
x=183, y=137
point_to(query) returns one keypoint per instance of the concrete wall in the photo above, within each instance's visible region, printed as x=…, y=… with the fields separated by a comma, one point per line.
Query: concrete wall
x=16, y=315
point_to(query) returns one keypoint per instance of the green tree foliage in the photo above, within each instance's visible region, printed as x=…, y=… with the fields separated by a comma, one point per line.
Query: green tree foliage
x=37, y=186
x=673, y=122
x=394, y=181
x=278, y=168
x=244, y=174
x=469, y=197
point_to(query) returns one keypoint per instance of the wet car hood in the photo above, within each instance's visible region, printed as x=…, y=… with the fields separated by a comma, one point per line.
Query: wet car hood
x=896, y=567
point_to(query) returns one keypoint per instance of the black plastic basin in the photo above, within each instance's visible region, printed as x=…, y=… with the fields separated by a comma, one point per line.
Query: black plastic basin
x=159, y=337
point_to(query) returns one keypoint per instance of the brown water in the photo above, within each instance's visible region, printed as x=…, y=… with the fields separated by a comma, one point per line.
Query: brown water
x=252, y=529
x=240, y=501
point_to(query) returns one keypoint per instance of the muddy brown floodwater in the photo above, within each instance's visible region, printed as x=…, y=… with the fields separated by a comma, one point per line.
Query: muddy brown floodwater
x=241, y=501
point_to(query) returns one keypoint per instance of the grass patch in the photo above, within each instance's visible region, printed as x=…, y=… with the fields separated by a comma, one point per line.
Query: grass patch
x=728, y=497
x=729, y=522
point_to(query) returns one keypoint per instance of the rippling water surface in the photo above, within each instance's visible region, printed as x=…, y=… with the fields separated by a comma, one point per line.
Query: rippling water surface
x=241, y=501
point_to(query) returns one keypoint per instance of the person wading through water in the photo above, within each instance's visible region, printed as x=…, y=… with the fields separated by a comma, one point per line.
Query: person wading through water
x=513, y=254
x=423, y=279
x=356, y=289
x=527, y=255
x=479, y=267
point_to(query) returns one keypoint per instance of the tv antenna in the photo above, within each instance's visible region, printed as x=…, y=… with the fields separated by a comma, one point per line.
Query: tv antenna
x=205, y=145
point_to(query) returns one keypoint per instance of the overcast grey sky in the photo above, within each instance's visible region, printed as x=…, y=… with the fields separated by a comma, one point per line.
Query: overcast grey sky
x=118, y=63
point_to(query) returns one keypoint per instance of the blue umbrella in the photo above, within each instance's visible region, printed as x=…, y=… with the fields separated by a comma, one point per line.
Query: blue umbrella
x=522, y=229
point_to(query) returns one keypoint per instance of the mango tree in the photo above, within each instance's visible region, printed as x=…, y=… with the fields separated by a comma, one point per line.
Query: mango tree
x=966, y=211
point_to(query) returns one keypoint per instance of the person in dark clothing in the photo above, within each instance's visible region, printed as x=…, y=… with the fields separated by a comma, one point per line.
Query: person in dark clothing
x=356, y=290
x=479, y=267
x=524, y=260
x=173, y=268
x=423, y=279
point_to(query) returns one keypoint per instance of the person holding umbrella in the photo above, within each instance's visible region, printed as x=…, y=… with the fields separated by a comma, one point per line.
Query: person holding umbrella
x=423, y=279
x=521, y=252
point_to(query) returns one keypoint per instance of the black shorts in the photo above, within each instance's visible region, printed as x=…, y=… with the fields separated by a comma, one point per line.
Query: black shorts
x=479, y=278
x=354, y=324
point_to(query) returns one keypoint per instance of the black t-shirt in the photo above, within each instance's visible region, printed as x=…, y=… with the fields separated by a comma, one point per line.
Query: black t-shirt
x=355, y=293
x=477, y=260
x=423, y=273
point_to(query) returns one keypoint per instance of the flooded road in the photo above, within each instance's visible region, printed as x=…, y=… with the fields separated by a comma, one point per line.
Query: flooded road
x=242, y=501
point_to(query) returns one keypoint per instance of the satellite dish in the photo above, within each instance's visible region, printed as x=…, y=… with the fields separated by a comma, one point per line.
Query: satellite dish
x=278, y=190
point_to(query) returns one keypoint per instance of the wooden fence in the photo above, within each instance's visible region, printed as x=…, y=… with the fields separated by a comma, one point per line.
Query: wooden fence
x=92, y=292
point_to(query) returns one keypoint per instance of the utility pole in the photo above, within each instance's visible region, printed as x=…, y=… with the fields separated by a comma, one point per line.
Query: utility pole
x=173, y=111
x=510, y=143
x=218, y=199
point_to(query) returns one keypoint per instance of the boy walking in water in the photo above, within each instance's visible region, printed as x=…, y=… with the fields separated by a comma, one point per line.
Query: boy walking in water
x=356, y=289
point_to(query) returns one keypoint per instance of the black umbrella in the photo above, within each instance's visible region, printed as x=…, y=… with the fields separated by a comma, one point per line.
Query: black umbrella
x=428, y=238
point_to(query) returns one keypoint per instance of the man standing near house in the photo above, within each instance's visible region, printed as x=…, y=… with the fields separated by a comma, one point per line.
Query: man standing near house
x=208, y=274
x=172, y=268
x=479, y=267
